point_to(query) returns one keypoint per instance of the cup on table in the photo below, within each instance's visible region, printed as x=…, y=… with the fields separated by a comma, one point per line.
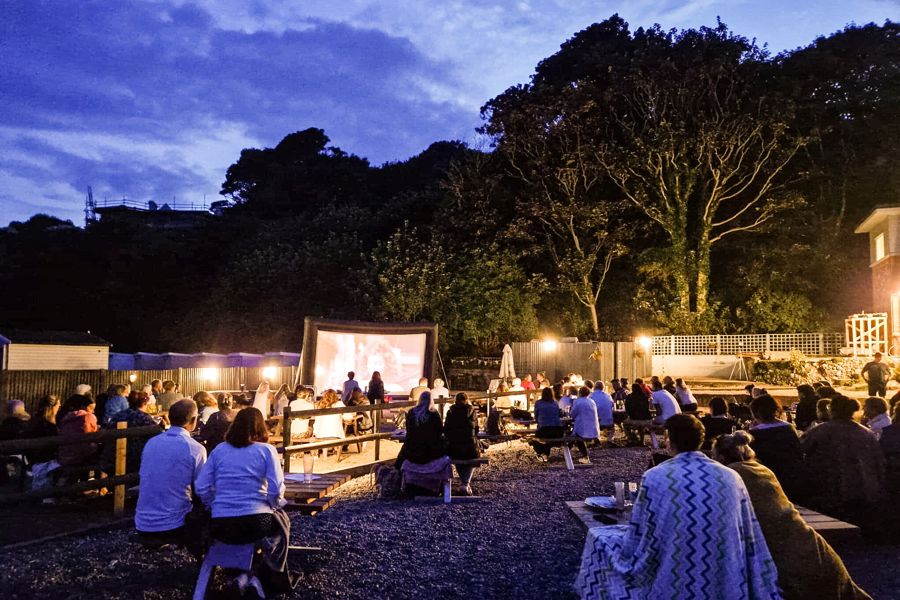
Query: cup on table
x=620, y=495
x=632, y=493
x=309, y=460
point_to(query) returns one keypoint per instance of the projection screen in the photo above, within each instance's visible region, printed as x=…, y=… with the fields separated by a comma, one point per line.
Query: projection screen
x=401, y=352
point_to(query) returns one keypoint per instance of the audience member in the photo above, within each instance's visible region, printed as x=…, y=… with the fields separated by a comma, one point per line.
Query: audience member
x=331, y=426
x=116, y=402
x=100, y=402
x=541, y=380
x=665, y=403
x=349, y=386
x=823, y=413
x=686, y=400
x=585, y=425
x=243, y=486
x=807, y=566
x=82, y=389
x=304, y=401
x=890, y=446
x=649, y=558
x=262, y=400
x=566, y=397
x=527, y=383
x=213, y=433
x=637, y=409
x=156, y=388
x=148, y=389
x=416, y=392
x=519, y=401
x=668, y=384
x=777, y=445
x=439, y=390
x=167, y=512
x=605, y=405
x=461, y=431
x=207, y=405
x=549, y=424
x=79, y=419
x=846, y=463
x=43, y=424
x=168, y=396
x=875, y=414
x=375, y=390
x=806, y=406
x=717, y=422
x=135, y=416
x=424, y=434
x=283, y=398
x=13, y=425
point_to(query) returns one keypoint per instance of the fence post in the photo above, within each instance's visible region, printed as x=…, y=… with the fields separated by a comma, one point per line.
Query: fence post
x=821, y=344
x=768, y=343
x=672, y=345
x=718, y=344
x=376, y=427
x=119, y=494
x=286, y=437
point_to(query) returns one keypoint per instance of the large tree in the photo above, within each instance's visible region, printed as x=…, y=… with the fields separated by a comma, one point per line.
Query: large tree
x=681, y=123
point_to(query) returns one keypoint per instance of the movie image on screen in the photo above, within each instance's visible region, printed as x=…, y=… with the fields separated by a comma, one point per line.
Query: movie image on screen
x=400, y=358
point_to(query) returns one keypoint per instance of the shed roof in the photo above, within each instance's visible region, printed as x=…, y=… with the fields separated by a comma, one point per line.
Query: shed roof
x=60, y=338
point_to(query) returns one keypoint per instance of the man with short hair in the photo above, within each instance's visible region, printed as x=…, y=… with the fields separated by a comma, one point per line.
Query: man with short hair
x=156, y=388
x=116, y=402
x=170, y=464
x=584, y=422
x=350, y=386
x=665, y=403
x=417, y=391
x=604, y=404
x=169, y=395
x=876, y=374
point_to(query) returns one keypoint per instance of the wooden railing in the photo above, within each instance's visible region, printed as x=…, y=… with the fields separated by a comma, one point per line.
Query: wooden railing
x=288, y=448
x=119, y=479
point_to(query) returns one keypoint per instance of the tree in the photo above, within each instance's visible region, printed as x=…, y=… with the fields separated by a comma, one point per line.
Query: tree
x=680, y=123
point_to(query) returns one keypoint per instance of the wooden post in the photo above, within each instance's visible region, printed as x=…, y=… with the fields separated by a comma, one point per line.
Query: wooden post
x=376, y=428
x=286, y=438
x=119, y=495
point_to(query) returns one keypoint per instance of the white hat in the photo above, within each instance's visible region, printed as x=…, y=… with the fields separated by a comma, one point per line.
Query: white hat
x=82, y=389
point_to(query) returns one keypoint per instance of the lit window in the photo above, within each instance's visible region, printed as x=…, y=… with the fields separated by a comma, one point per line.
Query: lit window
x=879, y=246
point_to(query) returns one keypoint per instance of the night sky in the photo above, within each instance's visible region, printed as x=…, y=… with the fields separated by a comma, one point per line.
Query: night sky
x=153, y=100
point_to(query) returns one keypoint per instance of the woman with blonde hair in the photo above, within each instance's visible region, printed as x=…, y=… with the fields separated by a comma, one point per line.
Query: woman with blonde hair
x=808, y=568
x=330, y=426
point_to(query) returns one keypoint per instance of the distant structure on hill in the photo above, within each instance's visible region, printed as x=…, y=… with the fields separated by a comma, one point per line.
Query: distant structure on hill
x=169, y=215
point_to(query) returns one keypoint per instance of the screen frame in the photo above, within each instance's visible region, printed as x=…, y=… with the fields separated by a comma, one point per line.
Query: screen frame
x=312, y=326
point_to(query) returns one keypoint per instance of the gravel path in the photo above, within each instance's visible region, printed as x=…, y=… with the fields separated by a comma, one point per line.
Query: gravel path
x=519, y=541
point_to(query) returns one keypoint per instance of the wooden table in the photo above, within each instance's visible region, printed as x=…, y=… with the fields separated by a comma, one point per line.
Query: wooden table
x=586, y=515
x=312, y=498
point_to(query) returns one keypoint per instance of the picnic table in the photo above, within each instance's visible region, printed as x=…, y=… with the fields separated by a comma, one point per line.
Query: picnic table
x=311, y=498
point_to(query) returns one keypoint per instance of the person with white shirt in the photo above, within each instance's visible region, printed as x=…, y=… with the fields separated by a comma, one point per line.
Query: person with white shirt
x=520, y=401
x=170, y=464
x=665, y=403
x=331, y=426
x=243, y=485
x=585, y=425
x=439, y=390
x=686, y=400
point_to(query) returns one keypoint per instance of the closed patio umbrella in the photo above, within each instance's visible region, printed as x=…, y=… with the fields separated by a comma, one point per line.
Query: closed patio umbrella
x=507, y=368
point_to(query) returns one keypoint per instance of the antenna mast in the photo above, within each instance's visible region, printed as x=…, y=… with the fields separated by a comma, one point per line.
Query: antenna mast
x=90, y=216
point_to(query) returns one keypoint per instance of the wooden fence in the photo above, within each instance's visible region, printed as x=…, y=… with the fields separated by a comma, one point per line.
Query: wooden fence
x=30, y=386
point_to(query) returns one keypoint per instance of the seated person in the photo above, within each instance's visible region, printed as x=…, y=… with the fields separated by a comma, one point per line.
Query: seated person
x=637, y=408
x=717, y=422
x=461, y=431
x=567, y=395
x=686, y=400
x=665, y=403
x=166, y=510
x=43, y=424
x=243, y=485
x=890, y=446
x=605, y=407
x=875, y=415
x=823, y=413
x=207, y=406
x=304, y=401
x=79, y=419
x=549, y=424
x=806, y=406
x=331, y=426
x=13, y=424
x=777, y=446
x=135, y=415
x=213, y=433
x=585, y=424
x=439, y=390
x=424, y=446
x=365, y=424
x=848, y=466
x=651, y=557
x=116, y=402
x=416, y=392
x=807, y=566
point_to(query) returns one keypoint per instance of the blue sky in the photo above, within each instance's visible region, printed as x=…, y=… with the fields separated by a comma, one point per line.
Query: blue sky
x=155, y=99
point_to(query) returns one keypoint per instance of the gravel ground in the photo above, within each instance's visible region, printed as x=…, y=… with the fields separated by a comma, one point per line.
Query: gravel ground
x=519, y=541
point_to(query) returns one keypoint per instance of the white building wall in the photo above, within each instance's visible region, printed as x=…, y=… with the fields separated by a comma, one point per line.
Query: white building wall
x=720, y=367
x=47, y=357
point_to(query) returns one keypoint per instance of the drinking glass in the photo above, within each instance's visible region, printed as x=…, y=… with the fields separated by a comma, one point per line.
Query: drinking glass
x=620, y=495
x=308, y=463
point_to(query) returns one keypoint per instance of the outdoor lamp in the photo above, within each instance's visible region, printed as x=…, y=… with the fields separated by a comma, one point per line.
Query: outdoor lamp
x=644, y=342
x=208, y=373
x=269, y=372
x=549, y=345
x=132, y=378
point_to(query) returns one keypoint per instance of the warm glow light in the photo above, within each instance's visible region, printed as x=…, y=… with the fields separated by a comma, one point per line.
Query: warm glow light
x=269, y=372
x=208, y=373
x=132, y=378
x=320, y=370
x=549, y=345
x=644, y=342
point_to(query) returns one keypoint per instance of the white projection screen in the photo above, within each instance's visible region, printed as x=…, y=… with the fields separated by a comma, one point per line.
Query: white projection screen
x=402, y=353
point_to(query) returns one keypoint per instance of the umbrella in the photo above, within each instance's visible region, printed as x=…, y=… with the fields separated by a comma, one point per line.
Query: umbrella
x=507, y=369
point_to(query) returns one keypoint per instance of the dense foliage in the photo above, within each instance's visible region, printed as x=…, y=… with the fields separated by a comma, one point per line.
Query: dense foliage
x=674, y=181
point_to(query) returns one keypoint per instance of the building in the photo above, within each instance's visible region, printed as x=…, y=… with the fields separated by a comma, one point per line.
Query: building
x=883, y=227
x=52, y=351
x=150, y=214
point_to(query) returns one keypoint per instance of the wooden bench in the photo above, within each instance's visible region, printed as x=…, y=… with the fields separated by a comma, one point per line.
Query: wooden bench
x=564, y=443
x=448, y=488
x=312, y=498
